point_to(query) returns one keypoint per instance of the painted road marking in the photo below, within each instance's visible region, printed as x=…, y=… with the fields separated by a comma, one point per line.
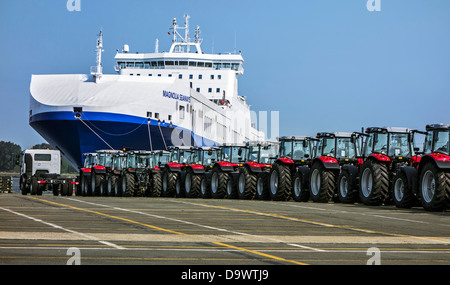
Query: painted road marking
x=165, y=230
x=90, y=237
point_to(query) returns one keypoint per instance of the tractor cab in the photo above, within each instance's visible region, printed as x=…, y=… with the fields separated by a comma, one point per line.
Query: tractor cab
x=338, y=147
x=295, y=149
x=390, y=144
x=262, y=152
x=233, y=153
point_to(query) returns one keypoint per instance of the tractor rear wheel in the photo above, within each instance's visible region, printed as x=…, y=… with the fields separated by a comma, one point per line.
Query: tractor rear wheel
x=434, y=188
x=128, y=185
x=192, y=184
x=402, y=192
x=280, y=182
x=262, y=186
x=374, y=183
x=300, y=191
x=219, y=182
x=322, y=183
x=169, y=180
x=346, y=188
x=246, y=184
x=205, y=186
x=156, y=185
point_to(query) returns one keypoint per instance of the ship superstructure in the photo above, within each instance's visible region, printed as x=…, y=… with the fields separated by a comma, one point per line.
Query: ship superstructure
x=156, y=100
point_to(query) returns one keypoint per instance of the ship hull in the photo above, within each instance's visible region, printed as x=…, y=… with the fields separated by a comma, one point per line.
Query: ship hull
x=90, y=131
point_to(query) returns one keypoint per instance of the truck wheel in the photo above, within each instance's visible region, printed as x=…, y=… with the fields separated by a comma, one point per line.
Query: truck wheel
x=34, y=186
x=374, y=183
x=156, y=185
x=219, y=181
x=110, y=187
x=300, y=191
x=402, y=193
x=23, y=185
x=56, y=188
x=192, y=184
x=168, y=183
x=280, y=182
x=262, y=186
x=346, y=188
x=205, y=187
x=434, y=188
x=322, y=183
x=128, y=185
x=246, y=184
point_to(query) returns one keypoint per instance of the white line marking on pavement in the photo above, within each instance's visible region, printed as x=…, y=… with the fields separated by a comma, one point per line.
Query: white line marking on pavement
x=62, y=228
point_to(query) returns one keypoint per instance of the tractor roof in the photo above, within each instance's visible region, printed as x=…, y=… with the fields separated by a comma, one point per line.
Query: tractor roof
x=262, y=143
x=296, y=138
x=437, y=127
x=388, y=130
x=334, y=134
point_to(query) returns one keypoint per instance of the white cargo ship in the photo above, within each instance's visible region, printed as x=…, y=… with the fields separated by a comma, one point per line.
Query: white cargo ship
x=181, y=97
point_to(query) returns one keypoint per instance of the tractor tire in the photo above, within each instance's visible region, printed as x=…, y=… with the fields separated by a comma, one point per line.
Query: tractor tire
x=280, y=183
x=169, y=180
x=111, y=185
x=96, y=181
x=192, y=184
x=128, y=185
x=180, y=191
x=246, y=184
x=402, y=193
x=156, y=185
x=232, y=189
x=219, y=181
x=374, y=183
x=205, y=186
x=300, y=188
x=118, y=187
x=322, y=183
x=85, y=186
x=262, y=186
x=347, y=188
x=434, y=188
x=104, y=188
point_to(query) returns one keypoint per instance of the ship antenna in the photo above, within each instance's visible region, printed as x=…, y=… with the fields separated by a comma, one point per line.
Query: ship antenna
x=97, y=70
x=186, y=31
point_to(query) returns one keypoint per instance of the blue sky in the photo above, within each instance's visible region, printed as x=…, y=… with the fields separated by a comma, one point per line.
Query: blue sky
x=325, y=65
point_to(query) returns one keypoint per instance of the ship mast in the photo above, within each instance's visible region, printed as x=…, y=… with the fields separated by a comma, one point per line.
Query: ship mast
x=96, y=71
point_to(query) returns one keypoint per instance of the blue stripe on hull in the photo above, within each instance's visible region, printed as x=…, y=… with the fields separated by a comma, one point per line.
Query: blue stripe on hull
x=102, y=130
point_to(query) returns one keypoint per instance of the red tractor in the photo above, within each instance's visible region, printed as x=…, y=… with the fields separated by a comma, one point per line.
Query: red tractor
x=260, y=156
x=158, y=158
x=171, y=171
x=291, y=165
x=225, y=169
x=335, y=167
x=386, y=150
x=199, y=162
x=428, y=177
